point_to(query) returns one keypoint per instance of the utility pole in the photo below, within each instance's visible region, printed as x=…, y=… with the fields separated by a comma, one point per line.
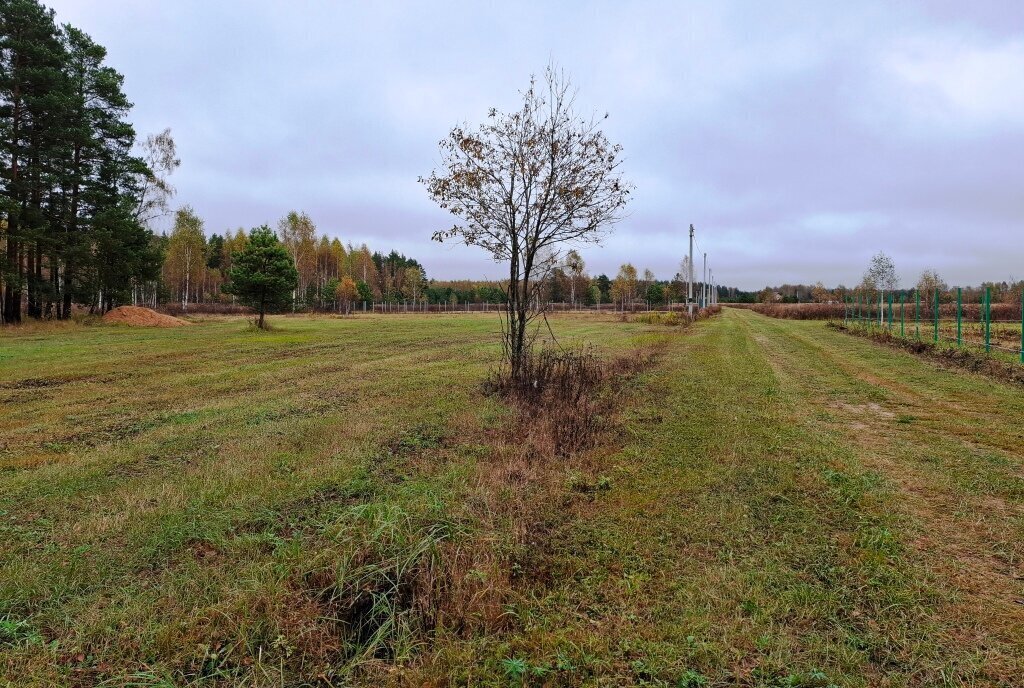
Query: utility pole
x=704, y=284
x=689, y=297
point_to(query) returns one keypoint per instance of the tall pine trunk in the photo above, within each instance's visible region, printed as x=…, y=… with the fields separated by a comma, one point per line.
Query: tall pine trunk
x=13, y=279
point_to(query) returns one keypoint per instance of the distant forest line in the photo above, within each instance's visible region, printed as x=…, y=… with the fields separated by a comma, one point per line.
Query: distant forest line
x=80, y=193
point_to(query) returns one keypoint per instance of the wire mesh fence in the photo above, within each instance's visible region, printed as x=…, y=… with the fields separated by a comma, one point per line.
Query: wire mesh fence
x=995, y=328
x=490, y=307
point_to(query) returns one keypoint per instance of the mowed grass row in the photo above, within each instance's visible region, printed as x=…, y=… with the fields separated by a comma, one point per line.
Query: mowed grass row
x=168, y=496
x=792, y=507
x=777, y=504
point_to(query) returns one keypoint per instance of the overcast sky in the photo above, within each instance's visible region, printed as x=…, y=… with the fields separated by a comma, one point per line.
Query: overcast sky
x=799, y=138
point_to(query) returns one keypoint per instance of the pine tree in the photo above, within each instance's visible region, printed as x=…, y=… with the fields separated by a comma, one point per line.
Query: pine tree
x=71, y=187
x=263, y=274
x=31, y=56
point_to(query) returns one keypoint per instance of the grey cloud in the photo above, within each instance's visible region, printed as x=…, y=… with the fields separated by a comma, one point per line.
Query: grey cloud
x=800, y=137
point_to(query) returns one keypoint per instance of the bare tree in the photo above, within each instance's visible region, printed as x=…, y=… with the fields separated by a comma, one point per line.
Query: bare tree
x=161, y=156
x=929, y=283
x=881, y=274
x=522, y=186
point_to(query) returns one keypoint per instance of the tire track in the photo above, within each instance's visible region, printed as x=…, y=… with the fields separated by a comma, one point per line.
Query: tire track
x=967, y=540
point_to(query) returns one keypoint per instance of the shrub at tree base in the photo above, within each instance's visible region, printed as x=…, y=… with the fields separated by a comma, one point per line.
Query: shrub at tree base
x=136, y=316
x=561, y=396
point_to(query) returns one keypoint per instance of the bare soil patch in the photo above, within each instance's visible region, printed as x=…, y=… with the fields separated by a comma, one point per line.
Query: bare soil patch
x=136, y=316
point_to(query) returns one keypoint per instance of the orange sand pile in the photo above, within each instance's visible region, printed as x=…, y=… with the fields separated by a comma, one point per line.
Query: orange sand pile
x=142, y=317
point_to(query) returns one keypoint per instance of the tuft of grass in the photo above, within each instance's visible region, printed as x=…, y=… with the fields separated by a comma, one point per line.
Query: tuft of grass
x=15, y=632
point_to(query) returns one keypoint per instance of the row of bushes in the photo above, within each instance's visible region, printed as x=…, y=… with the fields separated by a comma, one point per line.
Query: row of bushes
x=958, y=357
x=674, y=318
x=837, y=311
x=796, y=311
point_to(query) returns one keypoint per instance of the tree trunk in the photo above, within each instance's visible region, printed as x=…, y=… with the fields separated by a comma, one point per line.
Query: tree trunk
x=12, y=281
x=12, y=294
x=33, y=288
x=263, y=309
x=65, y=309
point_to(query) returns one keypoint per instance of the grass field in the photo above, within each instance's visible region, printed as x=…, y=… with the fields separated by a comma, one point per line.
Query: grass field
x=772, y=504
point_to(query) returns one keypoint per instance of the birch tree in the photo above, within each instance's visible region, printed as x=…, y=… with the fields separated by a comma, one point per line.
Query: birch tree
x=522, y=186
x=414, y=282
x=186, y=253
x=881, y=273
x=625, y=285
x=155, y=192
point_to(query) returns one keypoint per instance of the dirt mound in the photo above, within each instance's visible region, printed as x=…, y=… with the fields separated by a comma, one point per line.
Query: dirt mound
x=142, y=317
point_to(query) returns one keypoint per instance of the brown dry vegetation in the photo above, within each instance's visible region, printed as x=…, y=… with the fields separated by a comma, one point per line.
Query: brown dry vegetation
x=796, y=311
x=1007, y=312
x=673, y=318
x=998, y=367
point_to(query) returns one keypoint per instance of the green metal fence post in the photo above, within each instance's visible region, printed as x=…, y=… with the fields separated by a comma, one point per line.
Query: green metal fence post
x=935, y=316
x=917, y=313
x=1022, y=327
x=890, y=311
x=903, y=319
x=988, y=319
x=959, y=312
